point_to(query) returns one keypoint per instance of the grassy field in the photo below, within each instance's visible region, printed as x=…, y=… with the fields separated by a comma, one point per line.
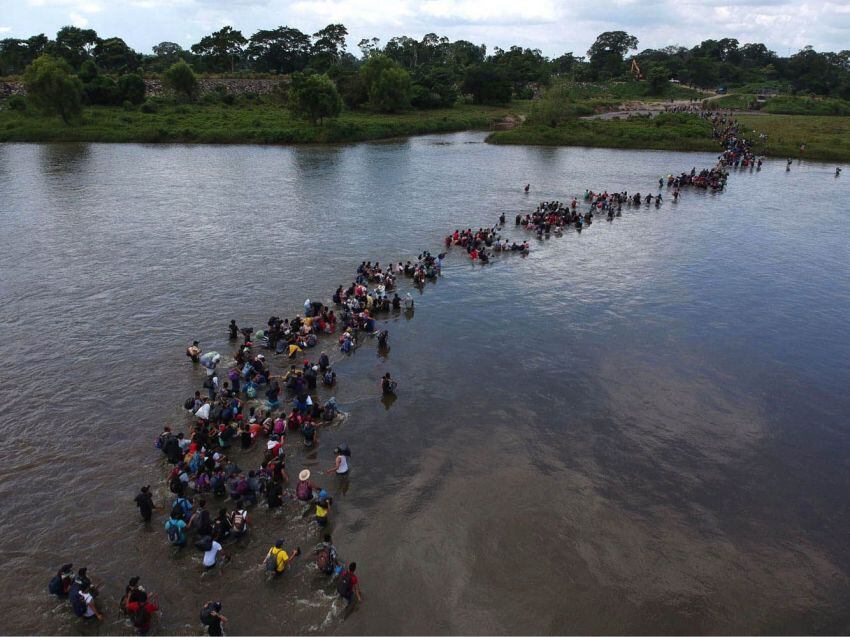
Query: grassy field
x=665, y=132
x=263, y=123
x=785, y=104
x=827, y=138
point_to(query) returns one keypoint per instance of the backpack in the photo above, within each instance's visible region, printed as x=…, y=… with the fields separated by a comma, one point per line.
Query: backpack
x=55, y=586
x=78, y=604
x=238, y=521
x=328, y=378
x=190, y=402
x=344, y=586
x=271, y=562
x=324, y=561
x=303, y=491
x=206, y=614
x=174, y=485
x=173, y=531
x=204, y=543
x=140, y=617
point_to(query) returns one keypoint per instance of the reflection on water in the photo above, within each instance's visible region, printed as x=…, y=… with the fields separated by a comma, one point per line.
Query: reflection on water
x=639, y=429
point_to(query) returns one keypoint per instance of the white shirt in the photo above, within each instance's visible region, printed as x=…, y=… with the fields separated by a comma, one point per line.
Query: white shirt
x=88, y=599
x=209, y=556
x=343, y=464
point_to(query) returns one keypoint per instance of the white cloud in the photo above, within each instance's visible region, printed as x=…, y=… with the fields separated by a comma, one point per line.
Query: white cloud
x=5, y=29
x=78, y=20
x=554, y=26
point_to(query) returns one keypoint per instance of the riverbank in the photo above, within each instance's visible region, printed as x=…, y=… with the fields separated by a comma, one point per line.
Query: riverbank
x=673, y=131
x=262, y=123
x=826, y=138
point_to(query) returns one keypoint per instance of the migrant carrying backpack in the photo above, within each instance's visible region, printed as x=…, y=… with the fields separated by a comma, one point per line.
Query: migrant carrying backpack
x=78, y=604
x=55, y=586
x=173, y=531
x=344, y=586
x=206, y=614
x=324, y=561
x=271, y=562
x=140, y=617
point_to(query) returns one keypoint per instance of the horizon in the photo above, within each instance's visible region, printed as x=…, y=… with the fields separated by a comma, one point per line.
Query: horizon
x=145, y=23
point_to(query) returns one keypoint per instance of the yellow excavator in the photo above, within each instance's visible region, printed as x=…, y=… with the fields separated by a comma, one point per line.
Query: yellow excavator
x=636, y=70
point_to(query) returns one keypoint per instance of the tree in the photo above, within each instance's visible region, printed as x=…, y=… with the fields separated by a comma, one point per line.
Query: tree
x=16, y=54
x=74, y=45
x=281, y=50
x=463, y=54
x=435, y=89
x=371, y=70
x=168, y=53
x=52, y=87
x=369, y=47
x=113, y=54
x=132, y=88
x=391, y=91
x=352, y=89
x=487, y=83
x=607, y=52
x=314, y=97
x=181, y=79
x=220, y=50
x=658, y=79
x=328, y=46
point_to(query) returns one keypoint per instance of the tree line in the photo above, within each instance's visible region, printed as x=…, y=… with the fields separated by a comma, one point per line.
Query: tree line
x=433, y=60
x=80, y=66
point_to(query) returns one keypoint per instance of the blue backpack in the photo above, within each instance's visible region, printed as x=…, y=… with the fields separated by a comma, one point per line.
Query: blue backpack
x=173, y=530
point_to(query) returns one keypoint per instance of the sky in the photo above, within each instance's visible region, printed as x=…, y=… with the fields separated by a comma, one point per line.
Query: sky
x=553, y=26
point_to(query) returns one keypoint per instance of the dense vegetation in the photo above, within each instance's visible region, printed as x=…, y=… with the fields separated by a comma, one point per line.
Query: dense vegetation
x=405, y=86
x=434, y=63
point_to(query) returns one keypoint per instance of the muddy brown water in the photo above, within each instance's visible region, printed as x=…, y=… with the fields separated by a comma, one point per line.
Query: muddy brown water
x=639, y=429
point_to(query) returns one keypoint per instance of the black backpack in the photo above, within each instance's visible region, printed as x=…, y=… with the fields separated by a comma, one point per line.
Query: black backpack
x=78, y=604
x=55, y=586
x=206, y=614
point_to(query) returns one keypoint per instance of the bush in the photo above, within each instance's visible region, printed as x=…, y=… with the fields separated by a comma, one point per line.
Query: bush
x=17, y=103
x=132, y=88
x=181, y=79
x=127, y=105
x=102, y=91
x=52, y=87
x=149, y=107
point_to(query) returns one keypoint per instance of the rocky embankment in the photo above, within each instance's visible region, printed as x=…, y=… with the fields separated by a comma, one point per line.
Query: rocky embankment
x=154, y=87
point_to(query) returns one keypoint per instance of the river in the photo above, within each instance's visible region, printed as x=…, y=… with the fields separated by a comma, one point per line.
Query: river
x=642, y=428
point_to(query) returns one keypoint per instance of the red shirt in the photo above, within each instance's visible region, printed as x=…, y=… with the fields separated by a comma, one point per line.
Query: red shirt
x=133, y=607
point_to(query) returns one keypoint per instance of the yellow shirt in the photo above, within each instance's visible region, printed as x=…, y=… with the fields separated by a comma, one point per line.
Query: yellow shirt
x=321, y=512
x=281, y=556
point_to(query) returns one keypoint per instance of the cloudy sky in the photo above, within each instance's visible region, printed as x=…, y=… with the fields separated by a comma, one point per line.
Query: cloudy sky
x=551, y=25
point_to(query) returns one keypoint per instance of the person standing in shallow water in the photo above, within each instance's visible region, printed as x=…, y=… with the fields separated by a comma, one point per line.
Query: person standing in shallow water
x=144, y=500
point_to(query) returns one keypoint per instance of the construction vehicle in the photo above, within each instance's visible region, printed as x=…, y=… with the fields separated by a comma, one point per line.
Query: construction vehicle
x=636, y=70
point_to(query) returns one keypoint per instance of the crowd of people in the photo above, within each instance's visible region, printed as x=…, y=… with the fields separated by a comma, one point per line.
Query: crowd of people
x=215, y=477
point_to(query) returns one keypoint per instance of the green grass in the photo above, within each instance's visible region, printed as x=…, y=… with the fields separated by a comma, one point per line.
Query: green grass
x=737, y=101
x=263, y=123
x=618, y=92
x=795, y=105
x=827, y=138
x=784, y=104
x=665, y=132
